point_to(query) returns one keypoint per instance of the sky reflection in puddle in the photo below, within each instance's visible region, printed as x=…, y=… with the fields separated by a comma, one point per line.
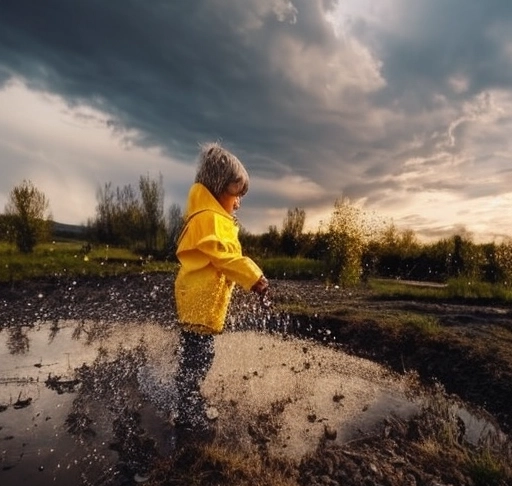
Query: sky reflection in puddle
x=36, y=447
x=73, y=395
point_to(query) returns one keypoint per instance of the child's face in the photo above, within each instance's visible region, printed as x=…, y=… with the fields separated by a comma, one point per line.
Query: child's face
x=229, y=202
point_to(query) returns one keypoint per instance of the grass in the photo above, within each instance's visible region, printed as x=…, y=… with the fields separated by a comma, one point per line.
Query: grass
x=424, y=324
x=396, y=289
x=68, y=258
x=218, y=464
x=485, y=465
x=292, y=268
x=468, y=289
x=487, y=468
x=394, y=320
x=488, y=462
x=431, y=441
x=400, y=321
x=459, y=288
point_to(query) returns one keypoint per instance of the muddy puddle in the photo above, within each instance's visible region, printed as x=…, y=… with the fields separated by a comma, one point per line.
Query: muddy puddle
x=85, y=402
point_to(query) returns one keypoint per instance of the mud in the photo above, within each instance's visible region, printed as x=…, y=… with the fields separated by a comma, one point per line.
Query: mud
x=470, y=355
x=470, y=359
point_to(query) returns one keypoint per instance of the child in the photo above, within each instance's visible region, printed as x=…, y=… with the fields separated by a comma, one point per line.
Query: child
x=211, y=261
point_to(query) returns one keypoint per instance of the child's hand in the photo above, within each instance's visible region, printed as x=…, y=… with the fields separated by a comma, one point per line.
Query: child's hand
x=261, y=286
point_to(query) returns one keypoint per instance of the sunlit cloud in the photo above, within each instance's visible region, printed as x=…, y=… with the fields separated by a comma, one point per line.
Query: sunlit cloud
x=69, y=152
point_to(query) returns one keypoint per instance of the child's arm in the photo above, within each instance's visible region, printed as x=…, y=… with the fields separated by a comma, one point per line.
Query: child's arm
x=214, y=242
x=236, y=267
x=261, y=286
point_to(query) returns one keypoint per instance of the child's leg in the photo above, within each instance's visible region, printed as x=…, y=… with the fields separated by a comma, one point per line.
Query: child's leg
x=197, y=352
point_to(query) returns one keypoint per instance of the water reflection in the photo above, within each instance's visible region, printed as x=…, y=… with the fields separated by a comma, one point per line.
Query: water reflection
x=18, y=341
x=35, y=448
x=88, y=402
x=70, y=402
x=54, y=330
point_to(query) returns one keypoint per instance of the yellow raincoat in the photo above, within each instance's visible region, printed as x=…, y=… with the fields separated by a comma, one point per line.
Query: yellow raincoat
x=211, y=263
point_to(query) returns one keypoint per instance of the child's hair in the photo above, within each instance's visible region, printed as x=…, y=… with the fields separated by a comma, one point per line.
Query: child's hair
x=220, y=171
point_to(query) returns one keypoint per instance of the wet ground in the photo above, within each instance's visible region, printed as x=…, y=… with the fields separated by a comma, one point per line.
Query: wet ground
x=86, y=363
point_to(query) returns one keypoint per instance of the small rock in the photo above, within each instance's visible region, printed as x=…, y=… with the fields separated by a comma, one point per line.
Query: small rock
x=212, y=413
x=330, y=432
x=338, y=397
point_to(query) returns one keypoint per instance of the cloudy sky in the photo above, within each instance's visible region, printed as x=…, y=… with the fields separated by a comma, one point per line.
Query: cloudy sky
x=404, y=107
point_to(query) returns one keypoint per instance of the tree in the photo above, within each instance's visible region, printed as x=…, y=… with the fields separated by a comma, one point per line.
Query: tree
x=316, y=245
x=269, y=242
x=250, y=243
x=457, y=258
x=504, y=262
x=152, y=195
x=175, y=224
x=6, y=228
x=130, y=217
x=128, y=220
x=397, y=252
x=293, y=225
x=28, y=209
x=467, y=258
x=105, y=214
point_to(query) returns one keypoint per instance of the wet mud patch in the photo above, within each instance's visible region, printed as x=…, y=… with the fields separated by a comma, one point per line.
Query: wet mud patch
x=478, y=370
x=100, y=408
x=286, y=395
x=467, y=361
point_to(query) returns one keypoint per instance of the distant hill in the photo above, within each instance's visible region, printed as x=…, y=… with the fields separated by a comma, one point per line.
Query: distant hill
x=64, y=230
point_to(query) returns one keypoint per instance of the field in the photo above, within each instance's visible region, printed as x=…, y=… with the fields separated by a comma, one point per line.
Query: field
x=72, y=258
x=460, y=349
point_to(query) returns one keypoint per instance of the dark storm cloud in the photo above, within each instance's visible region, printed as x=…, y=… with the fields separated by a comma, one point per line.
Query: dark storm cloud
x=182, y=72
x=273, y=81
x=430, y=41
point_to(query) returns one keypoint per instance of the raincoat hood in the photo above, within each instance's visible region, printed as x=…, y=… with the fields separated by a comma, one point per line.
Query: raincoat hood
x=201, y=199
x=211, y=261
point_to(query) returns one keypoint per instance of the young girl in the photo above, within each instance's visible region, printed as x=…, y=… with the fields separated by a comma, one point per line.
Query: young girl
x=211, y=261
